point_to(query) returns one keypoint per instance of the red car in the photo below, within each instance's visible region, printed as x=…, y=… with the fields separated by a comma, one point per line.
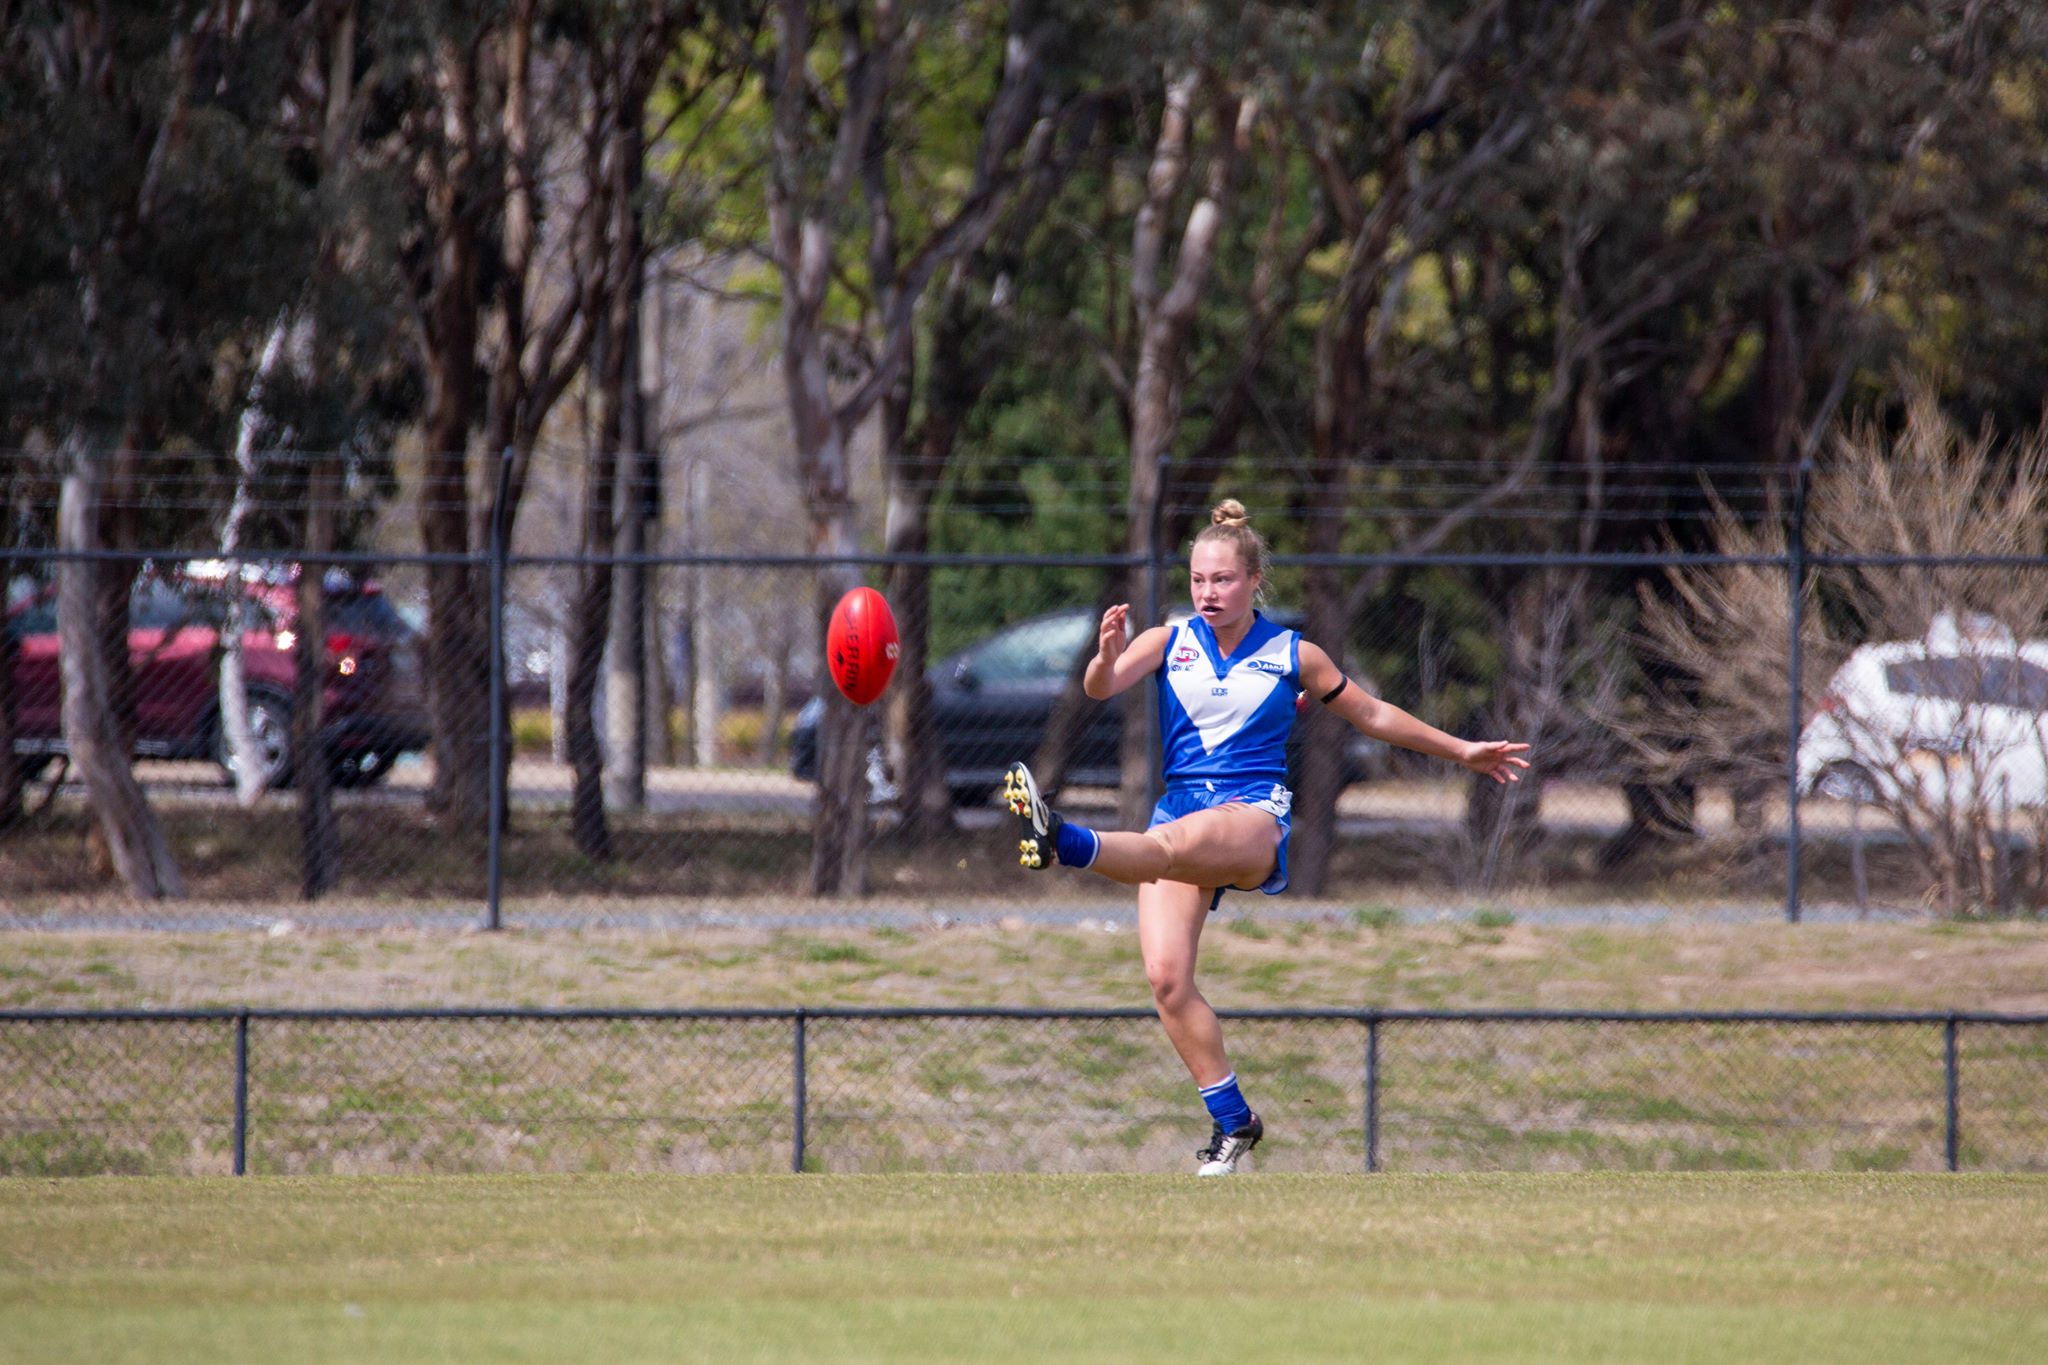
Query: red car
x=375, y=702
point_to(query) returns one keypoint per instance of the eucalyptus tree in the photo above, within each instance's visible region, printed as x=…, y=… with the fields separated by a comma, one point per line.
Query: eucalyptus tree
x=830, y=75
x=469, y=101
x=163, y=229
x=622, y=58
x=973, y=324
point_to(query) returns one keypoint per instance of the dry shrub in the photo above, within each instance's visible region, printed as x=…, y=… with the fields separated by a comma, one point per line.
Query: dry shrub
x=1720, y=637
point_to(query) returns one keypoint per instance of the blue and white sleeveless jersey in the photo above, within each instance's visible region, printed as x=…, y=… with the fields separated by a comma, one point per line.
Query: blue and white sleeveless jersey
x=1228, y=717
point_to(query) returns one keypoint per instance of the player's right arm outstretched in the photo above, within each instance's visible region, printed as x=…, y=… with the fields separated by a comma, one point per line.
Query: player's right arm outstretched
x=1117, y=665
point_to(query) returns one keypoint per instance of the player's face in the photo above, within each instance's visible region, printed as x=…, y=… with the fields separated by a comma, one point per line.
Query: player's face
x=1219, y=584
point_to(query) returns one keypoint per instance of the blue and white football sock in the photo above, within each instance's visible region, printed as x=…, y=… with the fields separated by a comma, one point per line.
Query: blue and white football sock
x=1075, y=846
x=1226, y=1104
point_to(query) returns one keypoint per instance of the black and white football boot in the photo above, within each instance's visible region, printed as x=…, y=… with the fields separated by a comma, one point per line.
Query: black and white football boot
x=1038, y=825
x=1225, y=1150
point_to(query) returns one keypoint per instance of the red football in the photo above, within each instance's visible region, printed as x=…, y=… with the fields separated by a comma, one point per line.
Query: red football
x=860, y=645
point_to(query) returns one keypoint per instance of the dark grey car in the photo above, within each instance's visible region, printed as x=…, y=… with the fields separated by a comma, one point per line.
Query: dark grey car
x=992, y=701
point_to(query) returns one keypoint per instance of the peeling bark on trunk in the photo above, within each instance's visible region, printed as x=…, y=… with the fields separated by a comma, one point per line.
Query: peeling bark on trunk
x=250, y=775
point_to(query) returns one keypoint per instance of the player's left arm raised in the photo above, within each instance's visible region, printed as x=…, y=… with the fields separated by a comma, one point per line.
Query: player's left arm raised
x=1383, y=720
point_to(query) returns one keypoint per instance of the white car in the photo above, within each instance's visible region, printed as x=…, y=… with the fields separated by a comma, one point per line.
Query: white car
x=1958, y=715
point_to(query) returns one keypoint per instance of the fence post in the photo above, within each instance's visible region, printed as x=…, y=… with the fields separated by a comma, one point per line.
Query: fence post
x=799, y=1102
x=1372, y=1094
x=242, y=1093
x=500, y=536
x=1795, y=564
x=1952, y=1143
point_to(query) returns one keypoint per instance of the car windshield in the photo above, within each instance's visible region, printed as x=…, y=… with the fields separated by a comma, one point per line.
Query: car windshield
x=1966, y=678
x=156, y=605
x=1033, y=650
x=368, y=614
x=38, y=618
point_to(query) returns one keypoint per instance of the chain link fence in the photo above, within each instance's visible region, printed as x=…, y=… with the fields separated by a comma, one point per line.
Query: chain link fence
x=640, y=738
x=293, y=1092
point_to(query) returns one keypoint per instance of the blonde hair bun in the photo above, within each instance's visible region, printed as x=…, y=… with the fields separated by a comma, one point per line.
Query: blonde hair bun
x=1229, y=512
x=1228, y=522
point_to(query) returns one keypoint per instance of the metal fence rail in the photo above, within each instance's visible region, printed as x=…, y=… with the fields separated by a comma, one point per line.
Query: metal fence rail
x=724, y=807
x=282, y=1091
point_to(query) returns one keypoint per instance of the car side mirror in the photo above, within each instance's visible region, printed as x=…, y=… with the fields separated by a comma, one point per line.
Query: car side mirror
x=965, y=678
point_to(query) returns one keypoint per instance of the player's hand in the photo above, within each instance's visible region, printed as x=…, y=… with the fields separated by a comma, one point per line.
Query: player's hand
x=1109, y=641
x=1495, y=758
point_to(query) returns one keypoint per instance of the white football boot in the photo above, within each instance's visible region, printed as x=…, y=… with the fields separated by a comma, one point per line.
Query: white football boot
x=1225, y=1150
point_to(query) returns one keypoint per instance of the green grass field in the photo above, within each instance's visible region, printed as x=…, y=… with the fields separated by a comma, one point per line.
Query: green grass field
x=1126, y=1268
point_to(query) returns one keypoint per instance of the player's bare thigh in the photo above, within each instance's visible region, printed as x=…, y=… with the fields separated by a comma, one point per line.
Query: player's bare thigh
x=1229, y=845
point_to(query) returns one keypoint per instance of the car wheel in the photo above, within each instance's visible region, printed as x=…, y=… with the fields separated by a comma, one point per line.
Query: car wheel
x=1846, y=781
x=363, y=768
x=270, y=724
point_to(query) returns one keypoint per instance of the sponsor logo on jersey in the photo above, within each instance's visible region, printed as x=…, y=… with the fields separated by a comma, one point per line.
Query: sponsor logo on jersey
x=1266, y=665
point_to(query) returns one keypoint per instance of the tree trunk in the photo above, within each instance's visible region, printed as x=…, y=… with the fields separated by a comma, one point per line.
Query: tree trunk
x=626, y=694
x=13, y=773
x=917, y=757
x=588, y=625
x=614, y=361
x=1502, y=820
x=1069, y=719
x=706, y=694
x=808, y=189
x=659, y=690
x=1319, y=778
x=12, y=777
x=840, y=835
x=1343, y=377
x=457, y=669
x=250, y=774
x=100, y=745
x=1660, y=814
x=1163, y=322
x=319, y=838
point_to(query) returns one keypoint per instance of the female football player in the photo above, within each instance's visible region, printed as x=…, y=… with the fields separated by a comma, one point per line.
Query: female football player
x=1228, y=683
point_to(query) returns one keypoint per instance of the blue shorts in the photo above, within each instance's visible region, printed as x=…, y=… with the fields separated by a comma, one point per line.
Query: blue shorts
x=1189, y=795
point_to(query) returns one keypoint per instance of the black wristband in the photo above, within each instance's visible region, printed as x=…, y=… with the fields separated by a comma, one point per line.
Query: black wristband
x=1331, y=695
